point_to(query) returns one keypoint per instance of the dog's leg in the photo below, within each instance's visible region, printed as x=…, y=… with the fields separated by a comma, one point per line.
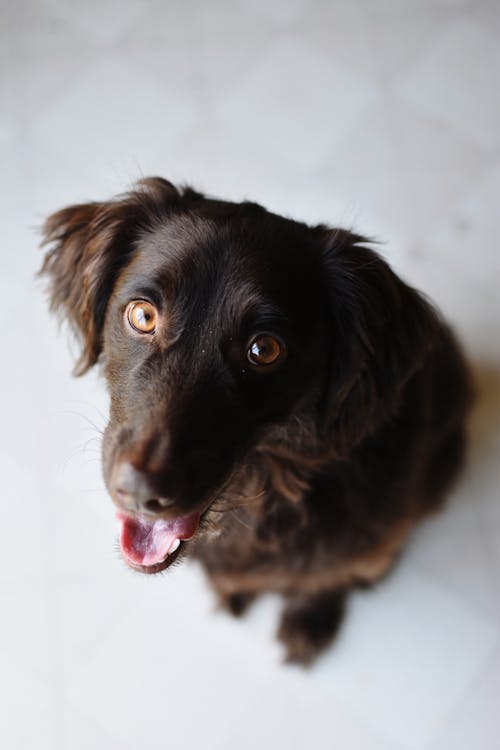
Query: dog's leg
x=233, y=601
x=236, y=603
x=309, y=623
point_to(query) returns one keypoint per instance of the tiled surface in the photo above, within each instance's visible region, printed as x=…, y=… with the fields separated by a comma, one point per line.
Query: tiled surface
x=380, y=114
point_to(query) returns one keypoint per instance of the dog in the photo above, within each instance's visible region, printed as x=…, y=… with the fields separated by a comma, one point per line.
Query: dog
x=283, y=407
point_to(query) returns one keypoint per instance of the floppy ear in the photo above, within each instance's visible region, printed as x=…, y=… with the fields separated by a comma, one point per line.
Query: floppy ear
x=383, y=331
x=89, y=244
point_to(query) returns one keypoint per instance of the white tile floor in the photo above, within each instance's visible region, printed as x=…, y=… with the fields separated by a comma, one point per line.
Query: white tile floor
x=380, y=114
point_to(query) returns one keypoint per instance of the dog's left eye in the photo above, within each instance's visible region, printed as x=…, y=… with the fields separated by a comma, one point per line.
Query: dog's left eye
x=141, y=316
x=265, y=350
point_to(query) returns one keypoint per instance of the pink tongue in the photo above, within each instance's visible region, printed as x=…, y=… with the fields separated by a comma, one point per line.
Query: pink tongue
x=147, y=541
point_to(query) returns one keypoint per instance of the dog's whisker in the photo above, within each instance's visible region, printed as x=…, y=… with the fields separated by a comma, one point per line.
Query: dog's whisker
x=82, y=416
x=230, y=503
x=240, y=520
x=87, y=448
x=89, y=405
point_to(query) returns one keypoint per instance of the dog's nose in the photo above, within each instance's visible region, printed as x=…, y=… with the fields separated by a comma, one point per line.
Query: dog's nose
x=133, y=491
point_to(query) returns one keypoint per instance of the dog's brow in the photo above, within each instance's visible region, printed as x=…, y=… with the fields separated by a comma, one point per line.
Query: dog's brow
x=149, y=292
x=263, y=313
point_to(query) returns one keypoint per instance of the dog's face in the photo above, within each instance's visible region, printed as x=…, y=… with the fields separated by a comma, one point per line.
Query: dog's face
x=219, y=326
x=205, y=349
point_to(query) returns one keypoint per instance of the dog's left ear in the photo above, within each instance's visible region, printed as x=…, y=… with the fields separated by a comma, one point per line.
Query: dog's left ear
x=88, y=246
x=382, y=331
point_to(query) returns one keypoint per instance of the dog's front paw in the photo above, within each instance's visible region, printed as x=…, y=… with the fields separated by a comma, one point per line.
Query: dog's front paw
x=309, y=624
x=236, y=604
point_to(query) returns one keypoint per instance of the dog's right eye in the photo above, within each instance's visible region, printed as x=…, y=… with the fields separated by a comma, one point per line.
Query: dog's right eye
x=141, y=316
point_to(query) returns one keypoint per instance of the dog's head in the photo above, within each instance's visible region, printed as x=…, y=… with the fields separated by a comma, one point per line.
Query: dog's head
x=223, y=330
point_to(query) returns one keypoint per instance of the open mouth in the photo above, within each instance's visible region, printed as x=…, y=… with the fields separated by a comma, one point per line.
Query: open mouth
x=151, y=545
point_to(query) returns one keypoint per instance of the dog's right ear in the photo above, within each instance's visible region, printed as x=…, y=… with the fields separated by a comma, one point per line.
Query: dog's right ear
x=89, y=244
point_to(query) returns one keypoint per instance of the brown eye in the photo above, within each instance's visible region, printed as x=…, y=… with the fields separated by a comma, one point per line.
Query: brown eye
x=265, y=350
x=142, y=316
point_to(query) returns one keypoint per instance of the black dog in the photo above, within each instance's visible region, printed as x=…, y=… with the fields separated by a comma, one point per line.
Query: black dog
x=283, y=407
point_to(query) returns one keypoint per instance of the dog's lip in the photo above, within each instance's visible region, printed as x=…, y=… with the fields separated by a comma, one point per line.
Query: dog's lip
x=149, y=544
x=158, y=567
